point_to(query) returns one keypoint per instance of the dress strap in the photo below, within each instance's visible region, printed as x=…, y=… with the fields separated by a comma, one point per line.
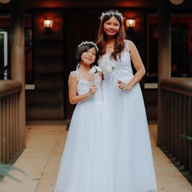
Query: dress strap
x=78, y=75
x=126, y=45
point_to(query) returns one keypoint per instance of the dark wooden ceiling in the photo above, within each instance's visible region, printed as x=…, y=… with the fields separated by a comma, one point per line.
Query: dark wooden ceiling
x=101, y=3
x=187, y=4
x=91, y=3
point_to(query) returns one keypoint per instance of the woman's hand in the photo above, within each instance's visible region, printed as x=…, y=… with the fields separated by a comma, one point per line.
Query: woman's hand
x=123, y=86
x=93, y=90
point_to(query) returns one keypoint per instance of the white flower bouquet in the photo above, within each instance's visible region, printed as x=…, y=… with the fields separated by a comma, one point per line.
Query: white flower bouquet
x=109, y=69
x=95, y=69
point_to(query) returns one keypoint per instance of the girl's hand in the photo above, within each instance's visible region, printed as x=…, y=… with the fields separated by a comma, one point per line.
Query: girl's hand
x=123, y=86
x=93, y=90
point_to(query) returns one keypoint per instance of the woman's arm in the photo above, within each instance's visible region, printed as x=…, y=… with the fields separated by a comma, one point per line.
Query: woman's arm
x=138, y=64
x=73, y=96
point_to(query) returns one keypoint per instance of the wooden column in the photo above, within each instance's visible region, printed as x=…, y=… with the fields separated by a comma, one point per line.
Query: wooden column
x=18, y=60
x=164, y=61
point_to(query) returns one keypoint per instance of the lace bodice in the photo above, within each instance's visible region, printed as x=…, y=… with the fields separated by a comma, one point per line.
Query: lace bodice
x=83, y=85
x=122, y=67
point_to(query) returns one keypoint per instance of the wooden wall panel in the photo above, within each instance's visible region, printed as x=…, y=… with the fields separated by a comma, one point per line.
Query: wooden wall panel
x=46, y=101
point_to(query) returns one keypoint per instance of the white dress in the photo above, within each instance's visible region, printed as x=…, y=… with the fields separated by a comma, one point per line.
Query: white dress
x=132, y=162
x=85, y=166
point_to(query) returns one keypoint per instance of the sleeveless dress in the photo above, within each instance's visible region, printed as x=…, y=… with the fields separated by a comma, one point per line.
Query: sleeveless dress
x=124, y=110
x=85, y=166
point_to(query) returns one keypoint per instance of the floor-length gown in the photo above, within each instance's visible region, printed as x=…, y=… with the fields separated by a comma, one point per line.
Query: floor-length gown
x=132, y=162
x=85, y=166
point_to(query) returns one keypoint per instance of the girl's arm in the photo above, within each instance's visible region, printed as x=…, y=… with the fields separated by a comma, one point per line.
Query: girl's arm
x=73, y=96
x=138, y=64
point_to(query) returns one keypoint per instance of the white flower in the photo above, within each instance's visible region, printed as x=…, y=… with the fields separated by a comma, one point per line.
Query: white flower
x=95, y=69
x=109, y=69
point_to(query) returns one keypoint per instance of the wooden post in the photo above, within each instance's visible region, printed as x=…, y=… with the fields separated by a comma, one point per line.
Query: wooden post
x=18, y=60
x=164, y=63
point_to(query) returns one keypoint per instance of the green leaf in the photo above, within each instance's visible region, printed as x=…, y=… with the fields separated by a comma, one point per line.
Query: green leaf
x=4, y=171
x=187, y=137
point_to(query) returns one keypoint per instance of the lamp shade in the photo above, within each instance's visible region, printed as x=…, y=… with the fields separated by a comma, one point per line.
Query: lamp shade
x=48, y=23
x=5, y=1
x=176, y=2
x=130, y=23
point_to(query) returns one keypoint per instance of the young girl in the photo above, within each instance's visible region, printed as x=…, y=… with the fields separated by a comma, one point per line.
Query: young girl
x=130, y=148
x=84, y=161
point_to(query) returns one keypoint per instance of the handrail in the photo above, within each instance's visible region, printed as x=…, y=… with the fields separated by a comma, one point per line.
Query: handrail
x=175, y=121
x=10, y=137
x=178, y=85
x=8, y=87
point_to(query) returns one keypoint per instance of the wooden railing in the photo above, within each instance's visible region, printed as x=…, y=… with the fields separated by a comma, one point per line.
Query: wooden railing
x=176, y=121
x=9, y=120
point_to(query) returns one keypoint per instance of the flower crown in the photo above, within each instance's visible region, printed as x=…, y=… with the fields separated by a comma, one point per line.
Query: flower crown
x=111, y=13
x=88, y=42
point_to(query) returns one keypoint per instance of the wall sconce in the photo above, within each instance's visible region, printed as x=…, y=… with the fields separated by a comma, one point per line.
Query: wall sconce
x=5, y=1
x=176, y=2
x=130, y=23
x=48, y=24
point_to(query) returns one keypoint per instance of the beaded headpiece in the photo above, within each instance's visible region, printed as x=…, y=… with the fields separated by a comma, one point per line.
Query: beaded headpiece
x=88, y=42
x=111, y=13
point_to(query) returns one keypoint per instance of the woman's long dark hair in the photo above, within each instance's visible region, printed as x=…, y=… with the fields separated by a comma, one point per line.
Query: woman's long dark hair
x=119, y=39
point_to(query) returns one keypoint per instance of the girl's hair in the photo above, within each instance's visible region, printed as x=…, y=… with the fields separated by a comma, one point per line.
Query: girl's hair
x=119, y=39
x=83, y=47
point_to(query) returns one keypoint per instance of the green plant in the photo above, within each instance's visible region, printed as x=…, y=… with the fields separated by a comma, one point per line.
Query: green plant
x=4, y=171
x=187, y=137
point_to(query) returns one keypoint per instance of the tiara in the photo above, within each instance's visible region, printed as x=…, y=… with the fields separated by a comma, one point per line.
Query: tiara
x=111, y=13
x=88, y=42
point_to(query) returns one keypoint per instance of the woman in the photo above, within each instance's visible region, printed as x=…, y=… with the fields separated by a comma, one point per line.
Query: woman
x=133, y=169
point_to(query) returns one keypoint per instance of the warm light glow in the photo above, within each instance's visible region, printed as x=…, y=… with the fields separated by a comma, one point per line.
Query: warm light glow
x=5, y=1
x=130, y=23
x=176, y=2
x=48, y=23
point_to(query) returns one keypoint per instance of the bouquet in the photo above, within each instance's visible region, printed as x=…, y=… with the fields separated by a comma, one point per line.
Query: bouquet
x=109, y=69
x=95, y=69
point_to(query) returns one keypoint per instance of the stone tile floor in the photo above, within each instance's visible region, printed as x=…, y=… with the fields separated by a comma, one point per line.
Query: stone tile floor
x=41, y=158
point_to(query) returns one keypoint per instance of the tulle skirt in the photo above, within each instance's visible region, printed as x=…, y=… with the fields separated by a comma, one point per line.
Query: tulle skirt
x=85, y=164
x=108, y=145
x=130, y=151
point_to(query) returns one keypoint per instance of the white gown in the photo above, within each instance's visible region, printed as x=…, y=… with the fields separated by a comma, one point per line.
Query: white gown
x=132, y=162
x=85, y=166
